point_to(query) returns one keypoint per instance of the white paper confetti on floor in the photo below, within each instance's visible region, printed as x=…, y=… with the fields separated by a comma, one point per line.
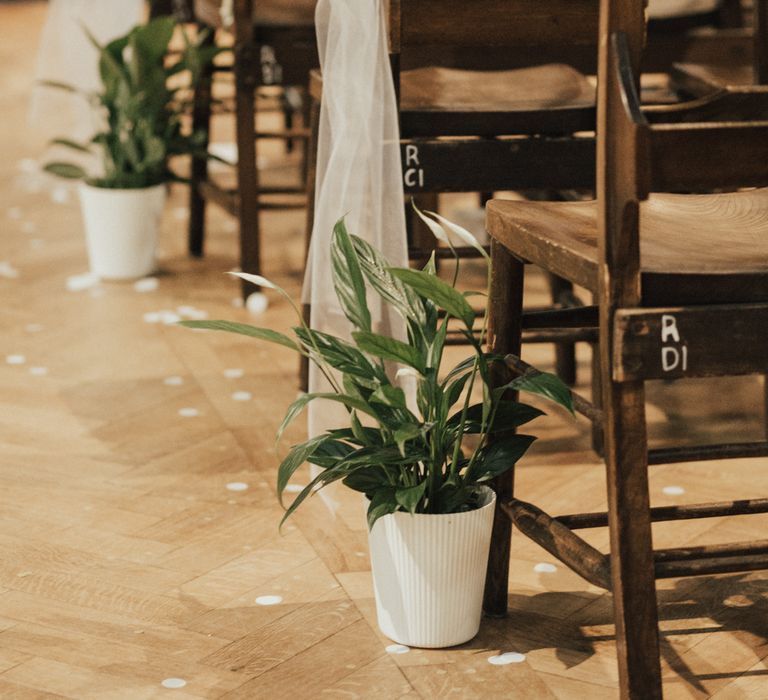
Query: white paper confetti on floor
x=173, y=381
x=233, y=373
x=509, y=657
x=242, y=396
x=86, y=280
x=397, y=649
x=673, y=490
x=189, y=412
x=38, y=371
x=545, y=568
x=146, y=284
x=269, y=599
x=33, y=327
x=192, y=313
x=15, y=359
x=173, y=683
x=237, y=486
x=60, y=195
x=294, y=488
x=256, y=303
x=8, y=271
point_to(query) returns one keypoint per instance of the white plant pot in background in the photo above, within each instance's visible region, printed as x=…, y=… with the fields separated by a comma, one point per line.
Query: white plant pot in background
x=429, y=574
x=121, y=229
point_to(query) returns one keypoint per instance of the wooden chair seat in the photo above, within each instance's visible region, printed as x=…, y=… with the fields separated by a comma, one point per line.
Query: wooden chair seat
x=451, y=89
x=285, y=13
x=692, y=247
x=701, y=79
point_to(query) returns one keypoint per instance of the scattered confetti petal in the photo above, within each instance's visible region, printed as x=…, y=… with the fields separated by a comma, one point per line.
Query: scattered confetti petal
x=76, y=283
x=146, y=284
x=192, y=312
x=15, y=359
x=269, y=599
x=28, y=165
x=509, y=657
x=256, y=303
x=189, y=412
x=15, y=213
x=233, y=373
x=545, y=568
x=294, y=488
x=38, y=371
x=237, y=486
x=173, y=381
x=242, y=396
x=173, y=683
x=673, y=490
x=33, y=327
x=60, y=195
x=152, y=317
x=169, y=317
x=29, y=227
x=8, y=271
x=397, y=649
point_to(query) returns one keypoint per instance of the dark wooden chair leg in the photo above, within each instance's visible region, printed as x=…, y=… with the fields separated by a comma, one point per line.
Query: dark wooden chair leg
x=201, y=122
x=505, y=323
x=565, y=353
x=632, y=568
x=419, y=236
x=247, y=175
x=311, y=174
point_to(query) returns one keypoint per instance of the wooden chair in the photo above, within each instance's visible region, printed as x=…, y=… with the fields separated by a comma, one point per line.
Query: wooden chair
x=485, y=107
x=681, y=283
x=274, y=45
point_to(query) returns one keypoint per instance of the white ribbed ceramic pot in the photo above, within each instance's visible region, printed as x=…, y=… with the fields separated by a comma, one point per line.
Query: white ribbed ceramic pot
x=429, y=574
x=121, y=229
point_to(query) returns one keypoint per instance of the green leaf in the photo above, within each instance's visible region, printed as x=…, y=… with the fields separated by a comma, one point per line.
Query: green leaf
x=376, y=270
x=293, y=410
x=410, y=496
x=389, y=349
x=348, y=278
x=388, y=395
x=67, y=170
x=153, y=38
x=497, y=458
x=509, y=415
x=406, y=432
x=295, y=458
x=441, y=293
x=366, y=480
x=329, y=453
x=543, y=384
x=244, y=329
x=74, y=145
x=338, y=353
x=382, y=503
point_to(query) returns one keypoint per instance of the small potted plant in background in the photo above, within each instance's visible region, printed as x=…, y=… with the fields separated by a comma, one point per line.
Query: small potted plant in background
x=140, y=110
x=430, y=510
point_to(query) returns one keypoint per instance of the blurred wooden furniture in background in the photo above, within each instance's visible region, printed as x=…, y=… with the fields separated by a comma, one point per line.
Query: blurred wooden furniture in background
x=682, y=289
x=274, y=45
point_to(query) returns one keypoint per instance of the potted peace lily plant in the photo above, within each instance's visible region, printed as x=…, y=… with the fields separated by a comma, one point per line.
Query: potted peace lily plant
x=423, y=465
x=140, y=108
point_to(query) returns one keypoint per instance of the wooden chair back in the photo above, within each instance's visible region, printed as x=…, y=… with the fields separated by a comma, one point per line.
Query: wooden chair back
x=636, y=157
x=486, y=34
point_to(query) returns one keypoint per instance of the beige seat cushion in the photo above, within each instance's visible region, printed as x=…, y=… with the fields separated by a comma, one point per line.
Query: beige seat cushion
x=541, y=87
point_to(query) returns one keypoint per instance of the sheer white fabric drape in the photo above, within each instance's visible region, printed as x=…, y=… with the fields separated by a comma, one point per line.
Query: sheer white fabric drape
x=358, y=168
x=67, y=56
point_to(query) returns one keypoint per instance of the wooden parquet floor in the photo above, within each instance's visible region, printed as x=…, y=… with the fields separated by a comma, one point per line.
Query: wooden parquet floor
x=129, y=558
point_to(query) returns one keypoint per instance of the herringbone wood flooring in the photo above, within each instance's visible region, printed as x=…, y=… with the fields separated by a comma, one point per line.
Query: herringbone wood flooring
x=125, y=560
